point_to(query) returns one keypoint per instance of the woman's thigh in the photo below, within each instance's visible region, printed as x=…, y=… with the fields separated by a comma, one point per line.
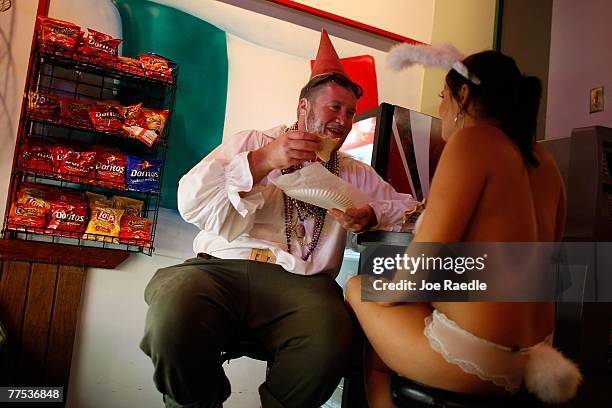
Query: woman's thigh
x=396, y=333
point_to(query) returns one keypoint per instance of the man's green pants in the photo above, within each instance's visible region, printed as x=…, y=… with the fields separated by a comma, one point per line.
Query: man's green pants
x=198, y=307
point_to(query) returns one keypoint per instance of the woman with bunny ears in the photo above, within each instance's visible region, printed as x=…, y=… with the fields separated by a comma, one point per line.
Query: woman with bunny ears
x=493, y=183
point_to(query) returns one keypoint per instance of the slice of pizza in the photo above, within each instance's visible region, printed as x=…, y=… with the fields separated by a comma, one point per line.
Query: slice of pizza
x=326, y=147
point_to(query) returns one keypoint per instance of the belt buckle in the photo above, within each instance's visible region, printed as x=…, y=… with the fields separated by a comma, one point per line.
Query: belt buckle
x=262, y=255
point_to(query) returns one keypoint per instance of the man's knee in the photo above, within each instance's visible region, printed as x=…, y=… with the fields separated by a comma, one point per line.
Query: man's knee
x=312, y=362
x=329, y=340
x=339, y=335
x=170, y=325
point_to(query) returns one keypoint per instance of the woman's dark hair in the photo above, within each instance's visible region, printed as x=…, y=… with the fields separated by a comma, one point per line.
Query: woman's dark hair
x=504, y=94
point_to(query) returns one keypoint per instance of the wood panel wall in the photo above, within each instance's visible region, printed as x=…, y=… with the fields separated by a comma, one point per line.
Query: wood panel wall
x=39, y=305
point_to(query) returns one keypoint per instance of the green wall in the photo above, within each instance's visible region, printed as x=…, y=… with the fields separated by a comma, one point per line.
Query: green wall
x=201, y=51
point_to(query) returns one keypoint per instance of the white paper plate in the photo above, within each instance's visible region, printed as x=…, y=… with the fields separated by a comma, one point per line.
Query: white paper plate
x=322, y=198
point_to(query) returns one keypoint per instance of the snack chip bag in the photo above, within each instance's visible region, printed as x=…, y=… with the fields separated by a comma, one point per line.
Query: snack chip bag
x=110, y=167
x=100, y=44
x=132, y=206
x=143, y=174
x=156, y=67
x=58, y=33
x=68, y=196
x=68, y=217
x=136, y=231
x=131, y=115
x=79, y=165
x=36, y=155
x=74, y=109
x=105, y=117
x=59, y=153
x=43, y=103
x=98, y=200
x=30, y=208
x=130, y=65
x=104, y=224
x=155, y=119
x=148, y=137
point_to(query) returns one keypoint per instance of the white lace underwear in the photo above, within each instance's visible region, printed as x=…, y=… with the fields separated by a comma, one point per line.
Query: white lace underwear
x=499, y=364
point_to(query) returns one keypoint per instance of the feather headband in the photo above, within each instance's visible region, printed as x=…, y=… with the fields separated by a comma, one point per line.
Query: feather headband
x=444, y=56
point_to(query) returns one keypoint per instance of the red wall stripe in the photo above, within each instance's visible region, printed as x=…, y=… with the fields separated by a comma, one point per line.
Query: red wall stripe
x=343, y=20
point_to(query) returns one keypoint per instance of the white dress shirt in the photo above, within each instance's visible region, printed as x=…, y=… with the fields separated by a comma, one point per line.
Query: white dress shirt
x=232, y=225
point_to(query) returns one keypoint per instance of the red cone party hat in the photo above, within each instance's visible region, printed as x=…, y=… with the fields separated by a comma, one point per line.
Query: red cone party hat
x=327, y=61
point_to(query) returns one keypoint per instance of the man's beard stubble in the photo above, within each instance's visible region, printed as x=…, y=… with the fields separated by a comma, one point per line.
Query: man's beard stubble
x=314, y=124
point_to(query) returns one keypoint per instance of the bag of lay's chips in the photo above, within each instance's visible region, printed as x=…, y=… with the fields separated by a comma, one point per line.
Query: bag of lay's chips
x=132, y=206
x=30, y=209
x=104, y=224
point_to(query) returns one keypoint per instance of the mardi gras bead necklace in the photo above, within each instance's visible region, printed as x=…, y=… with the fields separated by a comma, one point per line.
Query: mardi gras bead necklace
x=305, y=210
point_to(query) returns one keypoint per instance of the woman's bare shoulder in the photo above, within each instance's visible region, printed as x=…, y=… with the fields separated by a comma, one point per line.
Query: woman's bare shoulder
x=487, y=143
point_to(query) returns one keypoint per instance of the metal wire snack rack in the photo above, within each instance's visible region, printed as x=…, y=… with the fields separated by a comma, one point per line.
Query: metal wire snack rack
x=90, y=79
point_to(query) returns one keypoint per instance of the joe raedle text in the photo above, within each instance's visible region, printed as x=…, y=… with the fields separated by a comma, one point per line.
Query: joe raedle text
x=423, y=285
x=414, y=264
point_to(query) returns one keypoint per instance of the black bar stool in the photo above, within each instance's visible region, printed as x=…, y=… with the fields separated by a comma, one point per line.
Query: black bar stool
x=408, y=393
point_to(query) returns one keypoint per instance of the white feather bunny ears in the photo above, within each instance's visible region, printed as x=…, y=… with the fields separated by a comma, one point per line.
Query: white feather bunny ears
x=444, y=56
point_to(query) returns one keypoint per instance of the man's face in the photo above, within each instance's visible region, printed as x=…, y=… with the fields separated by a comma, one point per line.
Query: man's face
x=332, y=111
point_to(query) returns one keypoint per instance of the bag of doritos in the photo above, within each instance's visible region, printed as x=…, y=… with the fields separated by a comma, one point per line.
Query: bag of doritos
x=68, y=215
x=100, y=44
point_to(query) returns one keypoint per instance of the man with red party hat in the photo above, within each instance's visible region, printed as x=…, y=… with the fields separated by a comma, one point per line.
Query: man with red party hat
x=266, y=262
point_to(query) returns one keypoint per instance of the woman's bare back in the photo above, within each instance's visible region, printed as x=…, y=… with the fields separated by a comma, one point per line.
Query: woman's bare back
x=518, y=203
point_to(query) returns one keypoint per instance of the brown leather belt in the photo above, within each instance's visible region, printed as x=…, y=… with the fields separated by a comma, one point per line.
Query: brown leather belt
x=259, y=255
x=205, y=256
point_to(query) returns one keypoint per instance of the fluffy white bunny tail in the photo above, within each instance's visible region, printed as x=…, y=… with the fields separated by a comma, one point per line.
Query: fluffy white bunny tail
x=551, y=376
x=405, y=55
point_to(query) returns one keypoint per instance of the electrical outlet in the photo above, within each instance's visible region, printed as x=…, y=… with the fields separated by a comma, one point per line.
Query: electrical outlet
x=597, y=99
